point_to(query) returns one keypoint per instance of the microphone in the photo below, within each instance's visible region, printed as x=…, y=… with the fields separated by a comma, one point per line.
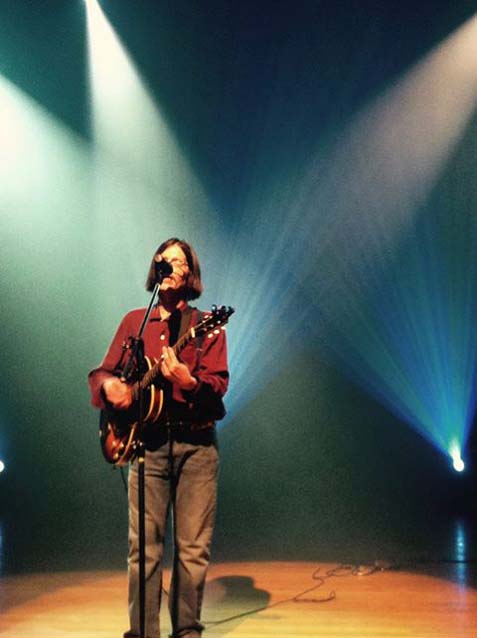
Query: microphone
x=163, y=268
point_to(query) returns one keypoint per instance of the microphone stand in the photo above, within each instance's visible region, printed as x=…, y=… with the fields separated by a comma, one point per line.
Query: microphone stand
x=134, y=367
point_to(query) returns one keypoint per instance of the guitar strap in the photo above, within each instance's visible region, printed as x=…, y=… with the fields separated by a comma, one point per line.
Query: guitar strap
x=186, y=318
x=186, y=322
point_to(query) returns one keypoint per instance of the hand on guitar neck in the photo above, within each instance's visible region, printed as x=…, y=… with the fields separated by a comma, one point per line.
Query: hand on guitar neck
x=175, y=371
x=118, y=393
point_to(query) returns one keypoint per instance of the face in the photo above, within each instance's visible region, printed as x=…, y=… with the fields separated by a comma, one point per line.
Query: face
x=176, y=257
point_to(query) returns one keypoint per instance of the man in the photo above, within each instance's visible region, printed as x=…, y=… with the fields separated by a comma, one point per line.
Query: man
x=181, y=459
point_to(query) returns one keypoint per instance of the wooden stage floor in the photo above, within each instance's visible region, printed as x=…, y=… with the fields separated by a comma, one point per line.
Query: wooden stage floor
x=254, y=599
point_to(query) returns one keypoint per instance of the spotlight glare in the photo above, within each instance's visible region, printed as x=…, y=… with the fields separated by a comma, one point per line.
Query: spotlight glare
x=457, y=461
x=458, y=465
x=2, y=466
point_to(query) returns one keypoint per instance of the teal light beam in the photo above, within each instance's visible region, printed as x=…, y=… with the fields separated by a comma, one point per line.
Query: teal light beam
x=334, y=234
x=145, y=188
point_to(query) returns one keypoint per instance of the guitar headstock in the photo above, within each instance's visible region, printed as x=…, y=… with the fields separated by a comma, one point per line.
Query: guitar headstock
x=213, y=321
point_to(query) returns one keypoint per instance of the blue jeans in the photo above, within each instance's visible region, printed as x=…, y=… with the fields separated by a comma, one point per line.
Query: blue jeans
x=181, y=474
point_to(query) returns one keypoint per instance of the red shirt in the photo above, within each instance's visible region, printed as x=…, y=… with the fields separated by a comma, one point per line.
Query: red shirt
x=207, y=364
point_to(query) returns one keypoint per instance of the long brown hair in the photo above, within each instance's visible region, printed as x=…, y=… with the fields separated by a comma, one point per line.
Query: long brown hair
x=193, y=282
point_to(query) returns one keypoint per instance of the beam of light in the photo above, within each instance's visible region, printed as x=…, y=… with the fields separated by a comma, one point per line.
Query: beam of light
x=44, y=193
x=403, y=296
x=2, y=466
x=407, y=335
x=42, y=162
x=45, y=201
x=146, y=190
x=330, y=247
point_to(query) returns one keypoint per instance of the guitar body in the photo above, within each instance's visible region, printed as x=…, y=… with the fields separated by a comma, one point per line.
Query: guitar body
x=118, y=429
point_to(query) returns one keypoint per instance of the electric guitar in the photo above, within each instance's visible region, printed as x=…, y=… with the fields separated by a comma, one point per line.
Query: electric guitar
x=119, y=429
